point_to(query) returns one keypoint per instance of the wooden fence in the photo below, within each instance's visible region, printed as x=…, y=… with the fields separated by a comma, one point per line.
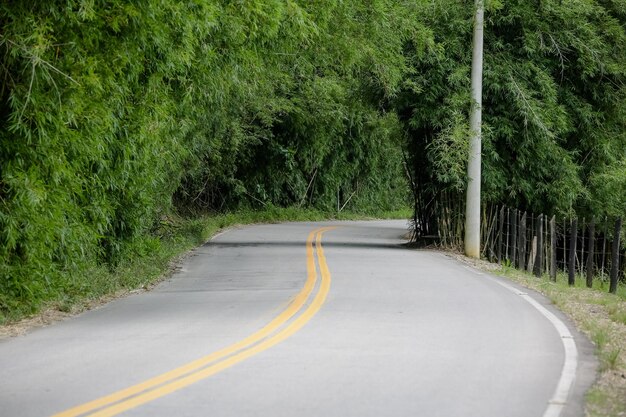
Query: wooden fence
x=583, y=248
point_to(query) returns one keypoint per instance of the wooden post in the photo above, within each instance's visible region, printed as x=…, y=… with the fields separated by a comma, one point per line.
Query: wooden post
x=538, y=267
x=590, y=256
x=564, y=244
x=547, y=247
x=522, y=242
x=532, y=255
x=514, y=240
x=581, y=260
x=571, y=279
x=500, y=231
x=532, y=226
x=606, y=222
x=494, y=231
x=532, y=244
x=553, y=248
x=507, y=242
x=487, y=246
x=615, y=256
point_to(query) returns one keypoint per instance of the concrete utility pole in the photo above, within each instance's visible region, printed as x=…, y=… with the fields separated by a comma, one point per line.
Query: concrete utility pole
x=472, y=202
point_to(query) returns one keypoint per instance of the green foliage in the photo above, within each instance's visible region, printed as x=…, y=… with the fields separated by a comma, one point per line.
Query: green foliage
x=114, y=114
x=554, y=134
x=308, y=123
x=89, y=145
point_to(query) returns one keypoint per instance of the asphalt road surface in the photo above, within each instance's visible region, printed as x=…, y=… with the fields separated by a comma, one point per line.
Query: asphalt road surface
x=307, y=319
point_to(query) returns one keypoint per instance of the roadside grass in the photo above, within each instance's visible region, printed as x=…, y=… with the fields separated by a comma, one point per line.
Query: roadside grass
x=152, y=258
x=599, y=315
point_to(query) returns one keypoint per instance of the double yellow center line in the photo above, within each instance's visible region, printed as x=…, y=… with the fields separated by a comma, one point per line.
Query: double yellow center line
x=279, y=329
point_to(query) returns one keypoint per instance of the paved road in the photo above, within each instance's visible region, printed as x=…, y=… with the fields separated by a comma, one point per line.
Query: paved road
x=306, y=320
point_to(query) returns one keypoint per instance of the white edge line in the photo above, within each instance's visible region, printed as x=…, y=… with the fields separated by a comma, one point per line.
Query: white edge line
x=568, y=372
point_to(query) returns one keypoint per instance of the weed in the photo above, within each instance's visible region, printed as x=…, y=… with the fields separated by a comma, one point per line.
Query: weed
x=600, y=338
x=618, y=316
x=610, y=359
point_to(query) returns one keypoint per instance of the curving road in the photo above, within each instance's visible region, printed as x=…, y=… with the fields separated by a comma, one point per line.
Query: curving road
x=307, y=319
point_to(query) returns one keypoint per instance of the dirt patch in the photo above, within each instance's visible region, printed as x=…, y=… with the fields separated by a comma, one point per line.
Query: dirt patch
x=56, y=313
x=42, y=319
x=476, y=263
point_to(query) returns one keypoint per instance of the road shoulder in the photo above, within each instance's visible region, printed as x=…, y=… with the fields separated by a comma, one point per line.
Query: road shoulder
x=598, y=322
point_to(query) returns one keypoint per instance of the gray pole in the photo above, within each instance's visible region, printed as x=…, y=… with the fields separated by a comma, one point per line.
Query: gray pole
x=472, y=202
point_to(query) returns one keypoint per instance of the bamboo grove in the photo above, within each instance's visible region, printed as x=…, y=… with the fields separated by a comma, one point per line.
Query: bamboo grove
x=116, y=113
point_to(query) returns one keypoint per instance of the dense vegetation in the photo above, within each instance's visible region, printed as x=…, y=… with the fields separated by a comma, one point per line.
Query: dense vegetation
x=554, y=109
x=116, y=114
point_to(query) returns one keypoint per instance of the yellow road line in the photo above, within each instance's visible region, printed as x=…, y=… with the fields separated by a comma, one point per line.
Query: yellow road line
x=196, y=370
x=178, y=384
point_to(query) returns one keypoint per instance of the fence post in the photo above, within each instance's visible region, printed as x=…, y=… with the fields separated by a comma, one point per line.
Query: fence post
x=606, y=222
x=571, y=279
x=500, y=231
x=522, y=243
x=507, y=241
x=615, y=256
x=590, y=256
x=546, y=246
x=514, y=239
x=564, y=243
x=581, y=261
x=538, y=267
x=553, y=248
x=492, y=233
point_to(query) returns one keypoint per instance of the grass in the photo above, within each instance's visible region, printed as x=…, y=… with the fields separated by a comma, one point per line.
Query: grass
x=599, y=337
x=610, y=359
x=602, y=317
x=149, y=259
